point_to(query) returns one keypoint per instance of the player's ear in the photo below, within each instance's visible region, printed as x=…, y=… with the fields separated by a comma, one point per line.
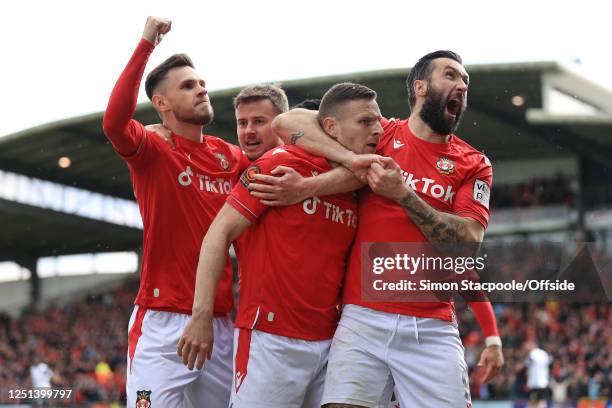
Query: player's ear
x=330, y=126
x=160, y=103
x=420, y=87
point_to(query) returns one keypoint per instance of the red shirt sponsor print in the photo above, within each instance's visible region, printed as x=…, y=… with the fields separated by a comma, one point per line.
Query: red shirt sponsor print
x=452, y=177
x=292, y=259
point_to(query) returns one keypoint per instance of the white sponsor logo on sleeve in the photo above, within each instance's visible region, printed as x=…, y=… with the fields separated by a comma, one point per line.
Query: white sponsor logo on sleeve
x=482, y=193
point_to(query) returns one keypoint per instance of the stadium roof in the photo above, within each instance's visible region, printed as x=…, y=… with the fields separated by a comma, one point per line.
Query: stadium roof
x=30, y=232
x=503, y=127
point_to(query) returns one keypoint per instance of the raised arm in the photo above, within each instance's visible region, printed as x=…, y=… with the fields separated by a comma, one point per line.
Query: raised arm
x=124, y=133
x=196, y=343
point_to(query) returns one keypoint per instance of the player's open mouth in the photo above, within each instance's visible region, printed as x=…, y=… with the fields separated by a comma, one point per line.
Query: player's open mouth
x=253, y=143
x=453, y=107
x=370, y=148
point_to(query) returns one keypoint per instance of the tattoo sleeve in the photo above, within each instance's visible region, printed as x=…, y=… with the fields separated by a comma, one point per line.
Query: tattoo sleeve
x=295, y=136
x=437, y=226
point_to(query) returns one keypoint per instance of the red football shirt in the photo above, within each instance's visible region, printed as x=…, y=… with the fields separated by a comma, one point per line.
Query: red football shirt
x=452, y=177
x=292, y=260
x=179, y=192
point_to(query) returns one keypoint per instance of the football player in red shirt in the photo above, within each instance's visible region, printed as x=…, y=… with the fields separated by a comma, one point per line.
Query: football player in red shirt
x=290, y=289
x=179, y=191
x=432, y=187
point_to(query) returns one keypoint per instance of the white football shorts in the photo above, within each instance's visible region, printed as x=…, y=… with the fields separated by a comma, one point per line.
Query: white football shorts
x=156, y=373
x=274, y=371
x=373, y=350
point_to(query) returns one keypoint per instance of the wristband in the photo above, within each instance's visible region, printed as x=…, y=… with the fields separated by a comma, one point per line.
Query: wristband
x=493, y=341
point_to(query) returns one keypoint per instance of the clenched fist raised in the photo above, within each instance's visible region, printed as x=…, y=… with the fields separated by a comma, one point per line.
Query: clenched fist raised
x=156, y=28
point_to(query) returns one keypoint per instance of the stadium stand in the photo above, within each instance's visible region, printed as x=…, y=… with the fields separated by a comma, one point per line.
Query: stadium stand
x=576, y=335
x=84, y=341
x=88, y=355
x=535, y=192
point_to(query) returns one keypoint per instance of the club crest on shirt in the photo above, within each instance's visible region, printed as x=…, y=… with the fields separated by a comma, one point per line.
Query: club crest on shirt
x=143, y=399
x=248, y=176
x=445, y=166
x=222, y=161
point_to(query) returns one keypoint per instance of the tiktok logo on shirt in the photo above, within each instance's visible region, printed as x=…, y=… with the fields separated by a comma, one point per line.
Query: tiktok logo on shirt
x=332, y=212
x=218, y=185
x=429, y=187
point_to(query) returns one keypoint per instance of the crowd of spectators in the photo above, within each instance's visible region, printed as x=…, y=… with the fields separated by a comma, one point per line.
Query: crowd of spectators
x=578, y=337
x=533, y=193
x=84, y=342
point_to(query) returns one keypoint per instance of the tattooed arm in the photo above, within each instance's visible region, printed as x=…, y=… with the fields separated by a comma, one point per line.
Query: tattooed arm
x=439, y=227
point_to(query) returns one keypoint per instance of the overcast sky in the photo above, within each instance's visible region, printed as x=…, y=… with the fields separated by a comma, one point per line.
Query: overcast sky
x=61, y=58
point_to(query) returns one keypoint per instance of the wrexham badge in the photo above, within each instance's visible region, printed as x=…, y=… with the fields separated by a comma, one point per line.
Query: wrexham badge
x=222, y=161
x=143, y=399
x=445, y=166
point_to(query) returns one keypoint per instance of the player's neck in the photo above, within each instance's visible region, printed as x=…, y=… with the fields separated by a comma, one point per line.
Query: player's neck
x=422, y=130
x=189, y=131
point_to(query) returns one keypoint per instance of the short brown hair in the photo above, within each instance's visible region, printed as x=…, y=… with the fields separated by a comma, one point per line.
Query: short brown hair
x=159, y=72
x=253, y=93
x=341, y=93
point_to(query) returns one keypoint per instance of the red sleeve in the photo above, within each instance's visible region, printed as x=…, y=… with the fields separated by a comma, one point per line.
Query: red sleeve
x=125, y=133
x=243, y=161
x=241, y=199
x=472, y=199
x=483, y=311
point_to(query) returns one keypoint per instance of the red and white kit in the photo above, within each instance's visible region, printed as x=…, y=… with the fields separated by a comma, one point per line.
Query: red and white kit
x=179, y=191
x=451, y=177
x=292, y=262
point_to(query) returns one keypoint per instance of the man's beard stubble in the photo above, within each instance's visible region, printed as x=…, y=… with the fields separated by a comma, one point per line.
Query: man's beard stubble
x=432, y=113
x=202, y=119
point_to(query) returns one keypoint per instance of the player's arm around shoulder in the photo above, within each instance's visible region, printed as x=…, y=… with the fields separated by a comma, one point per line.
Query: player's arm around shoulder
x=196, y=342
x=301, y=127
x=285, y=186
x=286, y=183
